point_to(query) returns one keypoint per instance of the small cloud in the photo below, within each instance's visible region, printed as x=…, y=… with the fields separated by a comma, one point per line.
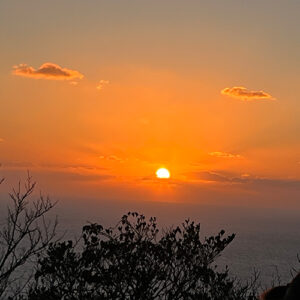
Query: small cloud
x=1, y=140
x=114, y=157
x=46, y=71
x=101, y=84
x=224, y=154
x=74, y=83
x=245, y=175
x=243, y=93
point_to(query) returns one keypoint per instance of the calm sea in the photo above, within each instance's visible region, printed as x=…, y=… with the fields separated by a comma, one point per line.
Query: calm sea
x=267, y=240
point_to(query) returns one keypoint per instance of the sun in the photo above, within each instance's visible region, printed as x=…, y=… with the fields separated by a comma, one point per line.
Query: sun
x=162, y=173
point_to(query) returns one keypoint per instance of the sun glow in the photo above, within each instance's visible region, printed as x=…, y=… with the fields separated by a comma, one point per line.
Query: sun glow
x=162, y=173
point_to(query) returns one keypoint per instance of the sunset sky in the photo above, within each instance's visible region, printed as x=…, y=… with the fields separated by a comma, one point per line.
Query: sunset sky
x=97, y=95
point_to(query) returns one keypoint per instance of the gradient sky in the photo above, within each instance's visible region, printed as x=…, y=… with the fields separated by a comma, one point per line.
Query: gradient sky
x=96, y=95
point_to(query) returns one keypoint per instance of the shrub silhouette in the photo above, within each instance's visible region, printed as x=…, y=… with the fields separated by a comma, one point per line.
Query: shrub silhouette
x=134, y=261
x=290, y=291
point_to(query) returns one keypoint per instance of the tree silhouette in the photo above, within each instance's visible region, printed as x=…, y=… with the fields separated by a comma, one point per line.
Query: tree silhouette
x=24, y=234
x=134, y=261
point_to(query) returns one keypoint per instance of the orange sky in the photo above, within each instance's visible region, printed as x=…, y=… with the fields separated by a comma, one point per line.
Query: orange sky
x=95, y=96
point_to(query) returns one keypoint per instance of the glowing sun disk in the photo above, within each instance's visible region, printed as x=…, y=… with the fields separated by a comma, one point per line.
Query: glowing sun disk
x=162, y=173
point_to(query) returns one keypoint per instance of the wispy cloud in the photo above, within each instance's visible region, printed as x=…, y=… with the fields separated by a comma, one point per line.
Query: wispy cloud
x=46, y=71
x=209, y=176
x=112, y=158
x=82, y=177
x=52, y=166
x=224, y=154
x=101, y=84
x=18, y=164
x=243, y=179
x=243, y=93
x=71, y=167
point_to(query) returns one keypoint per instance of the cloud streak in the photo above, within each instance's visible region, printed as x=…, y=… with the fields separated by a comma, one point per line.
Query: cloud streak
x=112, y=158
x=210, y=176
x=46, y=71
x=224, y=154
x=244, y=179
x=243, y=93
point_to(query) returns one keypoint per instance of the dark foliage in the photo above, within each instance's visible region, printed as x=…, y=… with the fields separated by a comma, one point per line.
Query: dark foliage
x=134, y=261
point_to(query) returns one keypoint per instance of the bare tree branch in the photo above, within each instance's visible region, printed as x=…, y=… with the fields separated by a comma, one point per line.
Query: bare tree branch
x=24, y=235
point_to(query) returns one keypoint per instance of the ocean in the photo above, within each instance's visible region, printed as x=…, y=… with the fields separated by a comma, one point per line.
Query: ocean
x=267, y=240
